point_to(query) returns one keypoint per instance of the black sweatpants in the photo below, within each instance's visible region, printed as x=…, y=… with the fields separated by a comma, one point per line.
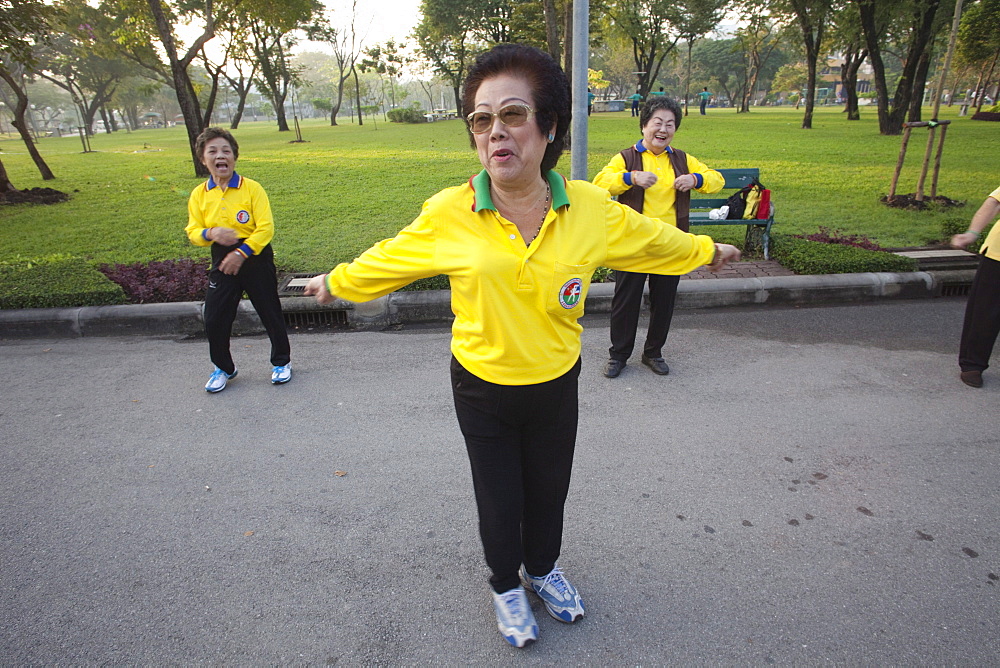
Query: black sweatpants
x=982, y=317
x=520, y=440
x=625, y=307
x=258, y=278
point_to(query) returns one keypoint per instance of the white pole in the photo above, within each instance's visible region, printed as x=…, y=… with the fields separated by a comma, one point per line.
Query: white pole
x=578, y=82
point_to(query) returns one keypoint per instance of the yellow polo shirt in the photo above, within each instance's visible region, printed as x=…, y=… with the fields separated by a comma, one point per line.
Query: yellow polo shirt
x=243, y=207
x=516, y=307
x=991, y=247
x=658, y=201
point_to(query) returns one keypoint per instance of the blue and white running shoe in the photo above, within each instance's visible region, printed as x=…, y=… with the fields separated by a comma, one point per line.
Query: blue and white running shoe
x=514, y=617
x=217, y=381
x=281, y=374
x=560, y=597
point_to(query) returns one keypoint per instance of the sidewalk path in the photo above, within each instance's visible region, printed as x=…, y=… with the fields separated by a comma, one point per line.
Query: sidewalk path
x=808, y=486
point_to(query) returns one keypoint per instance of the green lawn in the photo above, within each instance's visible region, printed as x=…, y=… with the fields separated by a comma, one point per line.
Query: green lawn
x=348, y=186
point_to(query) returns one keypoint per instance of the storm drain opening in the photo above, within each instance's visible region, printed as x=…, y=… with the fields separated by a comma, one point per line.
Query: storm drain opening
x=315, y=319
x=956, y=290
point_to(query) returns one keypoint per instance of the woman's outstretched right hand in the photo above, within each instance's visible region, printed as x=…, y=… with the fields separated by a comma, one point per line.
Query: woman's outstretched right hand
x=317, y=287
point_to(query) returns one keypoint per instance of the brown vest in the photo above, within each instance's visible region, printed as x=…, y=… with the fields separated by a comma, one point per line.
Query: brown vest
x=635, y=195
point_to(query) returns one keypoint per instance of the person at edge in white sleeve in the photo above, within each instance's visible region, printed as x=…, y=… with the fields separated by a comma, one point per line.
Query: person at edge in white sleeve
x=519, y=244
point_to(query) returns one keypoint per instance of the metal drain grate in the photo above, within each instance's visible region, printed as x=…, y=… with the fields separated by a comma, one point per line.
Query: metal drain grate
x=293, y=285
x=956, y=290
x=308, y=319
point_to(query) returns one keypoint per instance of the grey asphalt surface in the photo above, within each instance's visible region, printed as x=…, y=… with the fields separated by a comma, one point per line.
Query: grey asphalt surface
x=809, y=485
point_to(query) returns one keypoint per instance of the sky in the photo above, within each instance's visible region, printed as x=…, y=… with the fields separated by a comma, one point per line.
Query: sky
x=378, y=20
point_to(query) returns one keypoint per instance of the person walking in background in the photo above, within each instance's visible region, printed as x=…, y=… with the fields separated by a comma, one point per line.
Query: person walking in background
x=656, y=179
x=590, y=101
x=636, y=98
x=519, y=244
x=703, y=98
x=657, y=93
x=982, y=311
x=232, y=214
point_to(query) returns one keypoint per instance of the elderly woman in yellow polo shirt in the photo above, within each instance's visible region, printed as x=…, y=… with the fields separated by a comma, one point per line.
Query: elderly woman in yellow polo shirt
x=519, y=244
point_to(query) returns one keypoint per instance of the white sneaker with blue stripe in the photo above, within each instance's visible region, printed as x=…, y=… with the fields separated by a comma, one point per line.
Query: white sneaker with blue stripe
x=514, y=617
x=217, y=381
x=561, y=599
x=281, y=374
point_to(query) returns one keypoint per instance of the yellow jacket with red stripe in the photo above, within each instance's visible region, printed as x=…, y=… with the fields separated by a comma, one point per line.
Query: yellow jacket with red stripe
x=243, y=207
x=516, y=307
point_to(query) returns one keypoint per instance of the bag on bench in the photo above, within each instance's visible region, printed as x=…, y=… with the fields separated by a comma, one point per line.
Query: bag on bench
x=744, y=203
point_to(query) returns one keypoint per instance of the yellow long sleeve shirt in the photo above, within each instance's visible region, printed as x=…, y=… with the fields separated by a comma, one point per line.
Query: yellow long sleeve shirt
x=516, y=307
x=242, y=206
x=991, y=247
x=658, y=201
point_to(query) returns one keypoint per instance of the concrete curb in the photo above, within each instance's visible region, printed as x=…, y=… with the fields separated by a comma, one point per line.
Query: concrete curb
x=184, y=319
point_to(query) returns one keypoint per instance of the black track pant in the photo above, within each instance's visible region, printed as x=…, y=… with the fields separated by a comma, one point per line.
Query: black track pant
x=982, y=318
x=625, y=307
x=520, y=440
x=258, y=278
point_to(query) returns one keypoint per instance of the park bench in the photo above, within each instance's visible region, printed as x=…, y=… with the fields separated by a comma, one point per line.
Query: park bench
x=758, y=230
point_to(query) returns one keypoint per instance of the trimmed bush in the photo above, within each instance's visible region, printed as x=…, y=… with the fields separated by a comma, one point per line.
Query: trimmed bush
x=406, y=115
x=812, y=257
x=157, y=282
x=56, y=281
x=828, y=236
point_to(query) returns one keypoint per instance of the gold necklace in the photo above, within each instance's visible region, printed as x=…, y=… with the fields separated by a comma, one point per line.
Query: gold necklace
x=545, y=212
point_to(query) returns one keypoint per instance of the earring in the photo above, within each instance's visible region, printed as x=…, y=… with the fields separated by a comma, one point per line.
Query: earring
x=552, y=137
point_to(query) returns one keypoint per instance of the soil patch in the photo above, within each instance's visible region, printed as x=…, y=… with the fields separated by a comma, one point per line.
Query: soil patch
x=34, y=196
x=909, y=201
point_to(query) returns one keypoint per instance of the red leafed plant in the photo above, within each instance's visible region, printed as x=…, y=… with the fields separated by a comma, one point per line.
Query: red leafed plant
x=165, y=281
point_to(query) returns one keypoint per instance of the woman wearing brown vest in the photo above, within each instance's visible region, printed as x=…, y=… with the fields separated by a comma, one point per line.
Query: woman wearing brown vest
x=655, y=179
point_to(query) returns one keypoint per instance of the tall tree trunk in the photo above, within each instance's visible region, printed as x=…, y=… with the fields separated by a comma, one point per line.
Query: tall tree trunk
x=19, y=122
x=187, y=99
x=568, y=39
x=241, y=102
x=5, y=185
x=551, y=29
x=357, y=94
x=853, y=58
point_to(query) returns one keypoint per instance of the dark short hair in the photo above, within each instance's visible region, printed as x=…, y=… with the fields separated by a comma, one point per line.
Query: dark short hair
x=208, y=134
x=549, y=90
x=654, y=104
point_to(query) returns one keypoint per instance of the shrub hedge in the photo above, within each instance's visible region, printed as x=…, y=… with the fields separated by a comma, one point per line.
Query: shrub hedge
x=812, y=257
x=55, y=281
x=406, y=115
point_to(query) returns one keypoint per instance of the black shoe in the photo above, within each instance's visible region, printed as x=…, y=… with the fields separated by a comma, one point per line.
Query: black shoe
x=613, y=368
x=657, y=364
x=972, y=378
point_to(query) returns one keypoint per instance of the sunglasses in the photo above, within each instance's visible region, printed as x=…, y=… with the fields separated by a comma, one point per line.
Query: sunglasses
x=511, y=115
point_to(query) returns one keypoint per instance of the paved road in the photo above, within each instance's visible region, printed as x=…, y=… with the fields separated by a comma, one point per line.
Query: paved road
x=808, y=485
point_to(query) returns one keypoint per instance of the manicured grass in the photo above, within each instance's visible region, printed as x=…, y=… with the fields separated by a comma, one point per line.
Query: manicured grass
x=349, y=186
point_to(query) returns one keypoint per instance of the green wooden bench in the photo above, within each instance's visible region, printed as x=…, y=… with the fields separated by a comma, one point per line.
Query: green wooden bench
x=758, y=230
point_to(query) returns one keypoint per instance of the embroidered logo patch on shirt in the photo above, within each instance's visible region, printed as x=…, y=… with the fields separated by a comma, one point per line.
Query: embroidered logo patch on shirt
x=243, y=216
x=569, y=293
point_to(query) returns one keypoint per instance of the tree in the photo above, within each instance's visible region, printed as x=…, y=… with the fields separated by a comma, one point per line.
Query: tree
x=695, y=19
x=846, y=36
x=647, y=25
x=386, y=60
x=346, y=51
x=919, y=22
x=23, y=24
x=979, y=42
x=756, y=41
x=811, y=17
x=445, y=40
x=271, y=47
x=791, y=78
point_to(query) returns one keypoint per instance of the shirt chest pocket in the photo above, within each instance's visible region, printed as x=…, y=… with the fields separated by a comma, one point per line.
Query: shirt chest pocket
x=568, y=289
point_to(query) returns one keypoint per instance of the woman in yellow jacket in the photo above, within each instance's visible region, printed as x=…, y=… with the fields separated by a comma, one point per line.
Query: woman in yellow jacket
x=519, y=245
x=656, y=179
